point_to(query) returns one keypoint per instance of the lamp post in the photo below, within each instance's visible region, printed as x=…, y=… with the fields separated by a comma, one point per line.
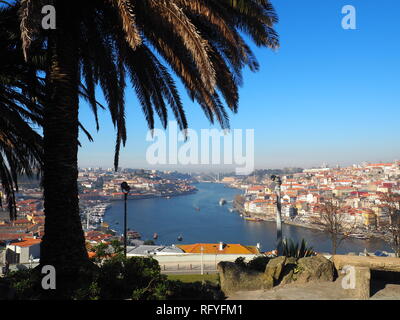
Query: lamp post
x=125, y=189
x=279, y=239
x=216, y=252
x=30, y=261
x=202, y=267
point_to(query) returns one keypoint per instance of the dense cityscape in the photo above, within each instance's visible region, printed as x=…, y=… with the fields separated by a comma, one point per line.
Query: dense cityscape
x=214, y=116
x=359, y=188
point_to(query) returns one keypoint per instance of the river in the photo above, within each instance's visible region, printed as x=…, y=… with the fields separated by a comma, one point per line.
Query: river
x=214, y=223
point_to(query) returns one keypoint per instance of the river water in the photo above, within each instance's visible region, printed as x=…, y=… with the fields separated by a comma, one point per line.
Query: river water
x=214, y=223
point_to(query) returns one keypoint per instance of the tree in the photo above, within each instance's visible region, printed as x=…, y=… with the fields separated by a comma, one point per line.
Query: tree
x=20, y=144
x=391, y=205
x=333, y=221
x=104, y=42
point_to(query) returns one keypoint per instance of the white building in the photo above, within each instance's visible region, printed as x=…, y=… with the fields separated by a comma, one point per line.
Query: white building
x=25, y=249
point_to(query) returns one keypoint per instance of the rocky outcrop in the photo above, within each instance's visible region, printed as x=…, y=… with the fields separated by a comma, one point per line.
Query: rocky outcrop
x=316, y=268
x=286, y=270
x=274, y=268
x=279, y=271
x=234, y=278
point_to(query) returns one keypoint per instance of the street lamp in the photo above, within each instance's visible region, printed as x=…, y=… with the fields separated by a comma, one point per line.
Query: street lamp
x=125, y=189
x=202, y=267
x=216, y=259
x=30, y=261
x=278, y=185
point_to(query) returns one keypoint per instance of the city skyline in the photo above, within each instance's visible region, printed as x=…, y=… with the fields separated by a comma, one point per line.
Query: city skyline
x=225, y=170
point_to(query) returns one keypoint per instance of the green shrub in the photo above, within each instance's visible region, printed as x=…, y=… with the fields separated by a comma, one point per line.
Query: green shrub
x=258, y=263
x=296, y=250
x=206, y=290
x=240, y=262
x=116, y=279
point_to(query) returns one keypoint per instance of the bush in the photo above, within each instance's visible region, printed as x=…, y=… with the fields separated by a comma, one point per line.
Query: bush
x=119, y=278
x=240, y=262
x=25, y=284
x=258, y=263
x=206, y=290
x=296, y=250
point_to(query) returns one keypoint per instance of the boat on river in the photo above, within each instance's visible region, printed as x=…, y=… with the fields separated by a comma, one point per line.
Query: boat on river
x=359, y=236
x=131, y=234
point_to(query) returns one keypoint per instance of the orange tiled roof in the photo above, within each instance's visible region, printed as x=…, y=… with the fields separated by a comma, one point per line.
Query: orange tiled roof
x=21, y=221
x=213, y=248
x=380, y=165
x=26, y=242
x=256, y=188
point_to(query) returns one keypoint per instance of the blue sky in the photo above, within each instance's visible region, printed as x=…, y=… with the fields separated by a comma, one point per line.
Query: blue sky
x=327, y=95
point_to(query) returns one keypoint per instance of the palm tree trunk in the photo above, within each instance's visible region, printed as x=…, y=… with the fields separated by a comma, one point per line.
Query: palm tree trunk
x=63, y=244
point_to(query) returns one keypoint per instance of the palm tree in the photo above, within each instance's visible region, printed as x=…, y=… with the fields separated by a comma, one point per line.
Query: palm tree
x=20, y=144
x=104, y=42
x=21, y=106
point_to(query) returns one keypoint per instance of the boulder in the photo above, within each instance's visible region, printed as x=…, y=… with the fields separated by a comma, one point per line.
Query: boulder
x=234, y=278
x=317, y=268
x=274, y=268
x=288, y=277
x=288, y=272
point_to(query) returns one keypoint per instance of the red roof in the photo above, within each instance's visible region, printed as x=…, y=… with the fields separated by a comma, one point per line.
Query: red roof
x=12, y=236
x=27, y=242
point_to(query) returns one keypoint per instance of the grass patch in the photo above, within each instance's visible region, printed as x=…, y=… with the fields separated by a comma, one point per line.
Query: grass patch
x=189, y=278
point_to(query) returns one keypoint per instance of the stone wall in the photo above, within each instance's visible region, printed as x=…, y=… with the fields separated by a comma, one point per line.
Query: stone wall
x=359, y=283
x=373, y=263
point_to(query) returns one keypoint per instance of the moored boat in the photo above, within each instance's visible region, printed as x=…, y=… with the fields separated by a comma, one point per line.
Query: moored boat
x=359, y=236
x=133, y=235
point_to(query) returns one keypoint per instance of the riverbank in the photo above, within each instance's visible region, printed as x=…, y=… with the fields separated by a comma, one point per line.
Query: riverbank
x=153, y=196
x=369, y=235
x=213, y=223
